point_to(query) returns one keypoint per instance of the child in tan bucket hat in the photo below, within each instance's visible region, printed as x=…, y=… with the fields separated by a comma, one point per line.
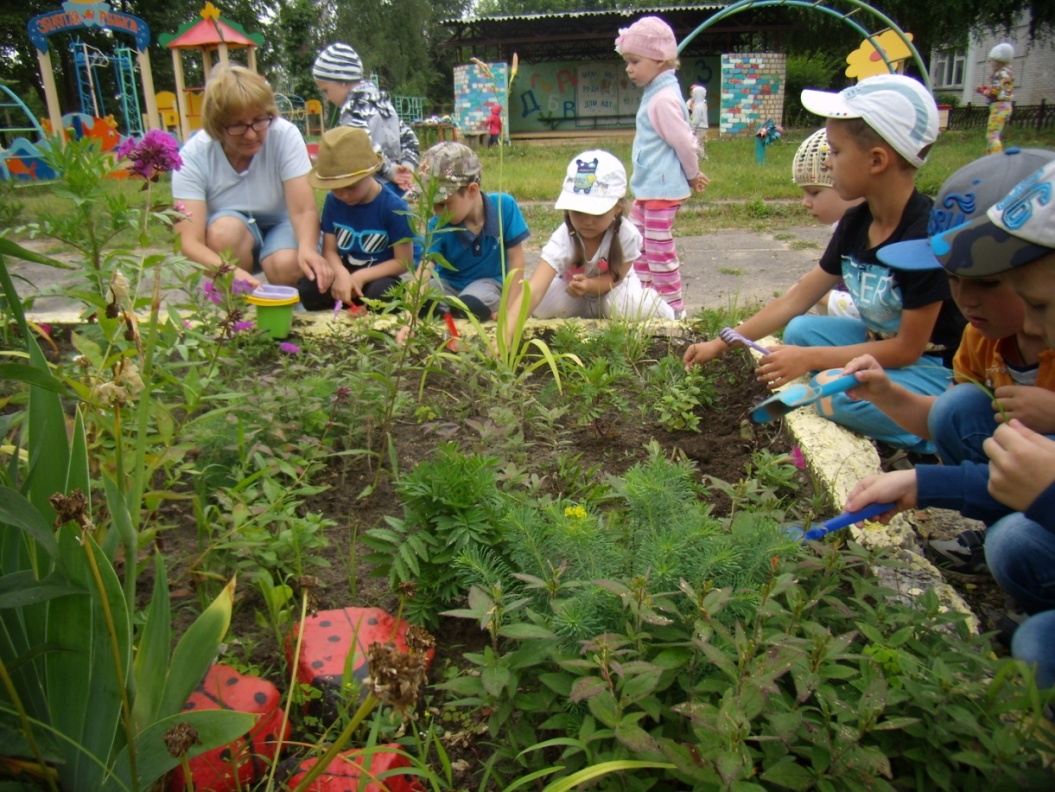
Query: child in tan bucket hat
x=367, y=240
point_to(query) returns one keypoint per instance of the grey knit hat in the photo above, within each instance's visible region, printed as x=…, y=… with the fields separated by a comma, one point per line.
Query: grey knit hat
x=338, y=62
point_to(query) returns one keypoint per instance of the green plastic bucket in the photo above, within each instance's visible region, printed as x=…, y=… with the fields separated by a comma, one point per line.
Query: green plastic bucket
x=274, y=308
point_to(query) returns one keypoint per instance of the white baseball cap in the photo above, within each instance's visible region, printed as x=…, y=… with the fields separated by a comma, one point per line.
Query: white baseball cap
x=900, y=109
x=594, y=182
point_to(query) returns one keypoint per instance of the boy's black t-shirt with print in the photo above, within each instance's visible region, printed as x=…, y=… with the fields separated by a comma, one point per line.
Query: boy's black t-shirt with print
x=880, y=292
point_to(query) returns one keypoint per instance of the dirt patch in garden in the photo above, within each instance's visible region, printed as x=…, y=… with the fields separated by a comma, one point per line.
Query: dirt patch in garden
x=721, y=449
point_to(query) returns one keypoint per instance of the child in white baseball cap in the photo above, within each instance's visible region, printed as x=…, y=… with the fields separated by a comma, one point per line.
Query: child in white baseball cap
x=586, y=268
x=879, y=132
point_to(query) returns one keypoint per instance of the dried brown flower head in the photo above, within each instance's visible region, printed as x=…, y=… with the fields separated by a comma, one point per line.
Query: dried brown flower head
x=180, y=739
x=419, y=640
x=395, y=677
x=71, y=507
x=408, y=589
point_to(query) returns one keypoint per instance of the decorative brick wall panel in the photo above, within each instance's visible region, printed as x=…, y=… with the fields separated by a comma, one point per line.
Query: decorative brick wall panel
x=752, y=91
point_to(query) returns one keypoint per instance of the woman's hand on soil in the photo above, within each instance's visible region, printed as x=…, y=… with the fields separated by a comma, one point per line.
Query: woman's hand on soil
x=242, y=275
x=314, y=265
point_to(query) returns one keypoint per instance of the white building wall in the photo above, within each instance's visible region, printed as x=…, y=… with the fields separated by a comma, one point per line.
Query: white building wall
x=1034, y=66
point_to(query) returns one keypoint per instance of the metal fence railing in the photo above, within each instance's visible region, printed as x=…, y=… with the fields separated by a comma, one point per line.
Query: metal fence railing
x=972, y=116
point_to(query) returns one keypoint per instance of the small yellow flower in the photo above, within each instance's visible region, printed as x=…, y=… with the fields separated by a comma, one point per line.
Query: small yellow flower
x=578, y=512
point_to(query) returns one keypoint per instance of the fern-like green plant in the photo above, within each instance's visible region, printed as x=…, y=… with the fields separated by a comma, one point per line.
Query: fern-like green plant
x=451, y=504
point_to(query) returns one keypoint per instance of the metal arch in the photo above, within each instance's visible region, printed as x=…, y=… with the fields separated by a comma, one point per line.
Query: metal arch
x=743, y=5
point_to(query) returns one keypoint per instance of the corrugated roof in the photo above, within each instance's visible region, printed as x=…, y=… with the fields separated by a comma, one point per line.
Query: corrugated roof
x=623, y=12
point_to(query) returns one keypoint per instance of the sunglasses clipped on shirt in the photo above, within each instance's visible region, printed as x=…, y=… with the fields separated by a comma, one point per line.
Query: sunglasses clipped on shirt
x=368, y=241
x=258, y=125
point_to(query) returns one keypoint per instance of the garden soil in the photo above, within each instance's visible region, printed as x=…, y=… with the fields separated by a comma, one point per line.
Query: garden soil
x=720, y=270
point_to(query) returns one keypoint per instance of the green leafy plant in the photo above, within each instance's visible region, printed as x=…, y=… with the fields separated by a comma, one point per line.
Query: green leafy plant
x=74, y=702
x=450, y=503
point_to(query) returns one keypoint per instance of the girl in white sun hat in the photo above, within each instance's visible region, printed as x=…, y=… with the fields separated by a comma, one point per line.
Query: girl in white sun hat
x=586, y=268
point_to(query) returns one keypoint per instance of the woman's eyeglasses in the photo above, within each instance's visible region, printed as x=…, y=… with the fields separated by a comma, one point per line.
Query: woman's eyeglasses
x=258, y=125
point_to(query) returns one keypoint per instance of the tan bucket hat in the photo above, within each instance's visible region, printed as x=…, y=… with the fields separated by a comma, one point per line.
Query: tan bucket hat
x=346, y=156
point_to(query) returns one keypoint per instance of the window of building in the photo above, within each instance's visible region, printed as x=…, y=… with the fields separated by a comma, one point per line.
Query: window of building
x=947, y=69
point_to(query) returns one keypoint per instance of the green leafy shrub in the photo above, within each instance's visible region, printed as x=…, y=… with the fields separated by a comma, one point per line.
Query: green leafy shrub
x=451, y=503
x=823, y=679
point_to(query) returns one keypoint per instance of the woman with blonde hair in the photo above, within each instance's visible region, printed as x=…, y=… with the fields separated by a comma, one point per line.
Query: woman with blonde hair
x=244, y=187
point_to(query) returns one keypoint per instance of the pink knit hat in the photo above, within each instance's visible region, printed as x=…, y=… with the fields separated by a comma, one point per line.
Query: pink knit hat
x=649, y=37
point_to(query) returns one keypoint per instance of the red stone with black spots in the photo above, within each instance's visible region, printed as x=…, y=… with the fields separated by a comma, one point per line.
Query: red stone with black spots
x=346, y=770
x=335, y=638
x=244, y=761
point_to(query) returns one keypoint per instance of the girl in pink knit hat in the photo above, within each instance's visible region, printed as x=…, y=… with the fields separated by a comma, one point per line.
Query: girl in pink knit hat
x=666, y=164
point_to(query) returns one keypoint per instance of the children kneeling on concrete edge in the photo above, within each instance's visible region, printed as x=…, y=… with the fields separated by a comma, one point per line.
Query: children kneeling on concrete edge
x=366, y=237
x=479, y=236
x=879, y=132
x=1015, y=239
x=1002, y=370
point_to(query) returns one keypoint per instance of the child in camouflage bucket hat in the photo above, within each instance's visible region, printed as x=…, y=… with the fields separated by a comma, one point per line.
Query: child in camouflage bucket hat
x=487, y=230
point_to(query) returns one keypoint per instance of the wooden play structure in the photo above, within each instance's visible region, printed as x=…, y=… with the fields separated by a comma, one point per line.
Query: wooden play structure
x=77, y=14
x=213, y=36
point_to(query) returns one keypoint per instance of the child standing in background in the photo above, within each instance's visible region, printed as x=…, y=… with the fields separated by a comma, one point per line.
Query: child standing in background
x=698, y=116
x=822, y=200
x=999, y=92
x=338, y=73
x=666, y=164
x=494, y=126
x=586, y=267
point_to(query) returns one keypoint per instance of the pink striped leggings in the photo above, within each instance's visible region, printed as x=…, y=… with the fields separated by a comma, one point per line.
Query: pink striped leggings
x=658, y=266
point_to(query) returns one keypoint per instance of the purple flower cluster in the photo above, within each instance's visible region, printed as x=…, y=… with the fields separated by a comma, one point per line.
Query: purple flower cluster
x=212, y=293
x=155, y=153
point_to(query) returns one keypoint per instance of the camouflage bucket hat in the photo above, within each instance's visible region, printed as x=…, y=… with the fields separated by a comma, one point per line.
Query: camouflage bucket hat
x=452, y=165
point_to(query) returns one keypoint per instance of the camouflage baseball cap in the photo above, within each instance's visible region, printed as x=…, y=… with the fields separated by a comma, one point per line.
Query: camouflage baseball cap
x=1016, y=231
x=452, y=165
x=965, y=196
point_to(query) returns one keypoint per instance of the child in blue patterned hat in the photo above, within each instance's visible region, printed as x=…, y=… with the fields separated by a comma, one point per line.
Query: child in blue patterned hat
x=1015, y=240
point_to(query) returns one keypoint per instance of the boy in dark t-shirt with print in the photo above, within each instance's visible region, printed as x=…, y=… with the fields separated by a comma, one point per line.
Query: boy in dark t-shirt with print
x=879, y=133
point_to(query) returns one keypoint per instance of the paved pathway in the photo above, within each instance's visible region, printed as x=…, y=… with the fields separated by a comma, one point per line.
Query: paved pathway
x=719, y=269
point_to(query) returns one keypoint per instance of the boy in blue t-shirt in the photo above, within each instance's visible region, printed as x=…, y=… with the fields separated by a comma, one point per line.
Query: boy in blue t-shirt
x=472, y=230
x=879, y=132
x=367, y=239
